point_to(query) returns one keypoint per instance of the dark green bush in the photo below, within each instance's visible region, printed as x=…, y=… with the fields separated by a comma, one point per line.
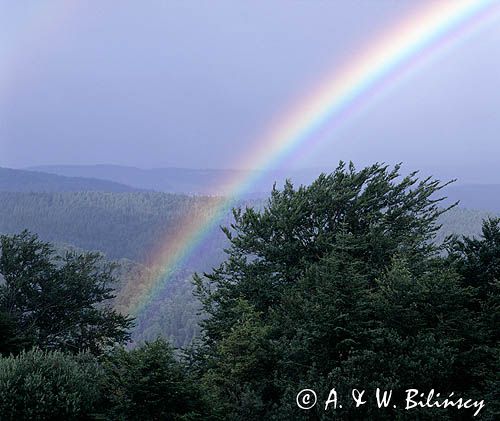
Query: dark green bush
x=38, y=385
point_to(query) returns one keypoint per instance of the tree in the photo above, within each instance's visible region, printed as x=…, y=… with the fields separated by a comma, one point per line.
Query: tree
x=11, y=340
x=148, y=383
x=59, y=302
x=477, y=260
x=341, y=284
x=383, y=213
x=238, y=379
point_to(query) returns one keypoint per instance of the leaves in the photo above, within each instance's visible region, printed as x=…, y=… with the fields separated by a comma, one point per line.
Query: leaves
x=48, y=385
x=59, y=302
x=340, y=283
x=148, y=383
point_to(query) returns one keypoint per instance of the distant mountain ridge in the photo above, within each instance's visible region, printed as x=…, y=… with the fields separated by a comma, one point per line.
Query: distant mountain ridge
x=171, y=180
x=13, y=180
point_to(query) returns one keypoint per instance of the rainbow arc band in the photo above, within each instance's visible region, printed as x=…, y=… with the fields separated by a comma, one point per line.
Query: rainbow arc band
x=376, y=68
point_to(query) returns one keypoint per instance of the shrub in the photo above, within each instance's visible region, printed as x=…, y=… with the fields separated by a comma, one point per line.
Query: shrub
x=38, y=385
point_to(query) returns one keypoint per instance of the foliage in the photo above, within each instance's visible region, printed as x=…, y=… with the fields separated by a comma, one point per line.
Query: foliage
x=11, y=339
x=242, y=373
x=270, y=250
x=340, y=284
x=38, y=385
x=478, y=262
x=143, y=383
x=148, y=383
x=59, y=302
x=337, y=284
x=174, y=314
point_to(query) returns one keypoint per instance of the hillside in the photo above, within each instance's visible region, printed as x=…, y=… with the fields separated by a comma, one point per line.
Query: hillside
x=122, y=225
x=12, y=180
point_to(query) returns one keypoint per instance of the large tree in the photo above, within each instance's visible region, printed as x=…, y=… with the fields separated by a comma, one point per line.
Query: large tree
x=335, y=284
x=59, y=302
x=370, y=215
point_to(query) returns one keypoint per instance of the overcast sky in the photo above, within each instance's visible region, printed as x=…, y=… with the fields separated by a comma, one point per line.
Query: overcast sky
x=195, y=83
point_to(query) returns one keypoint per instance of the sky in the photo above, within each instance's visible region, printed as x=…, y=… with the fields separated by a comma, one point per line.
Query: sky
x=196, y=83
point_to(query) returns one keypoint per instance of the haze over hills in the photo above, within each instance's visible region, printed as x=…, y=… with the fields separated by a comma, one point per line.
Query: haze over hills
x=181, y=180
x=475, y=196
x=13, y=180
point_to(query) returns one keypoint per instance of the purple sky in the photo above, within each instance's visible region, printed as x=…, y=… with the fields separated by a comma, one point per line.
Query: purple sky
x=194, y=83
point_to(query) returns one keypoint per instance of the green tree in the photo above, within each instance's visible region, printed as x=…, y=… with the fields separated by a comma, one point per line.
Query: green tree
x=381, y=211
x=149, y=383
x=238, y=378
x=478, y=262
x=59, y=302
x=336, y=283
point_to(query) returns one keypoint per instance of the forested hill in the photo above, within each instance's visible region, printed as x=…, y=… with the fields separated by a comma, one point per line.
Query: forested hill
x=122, y=225
x=12, y=180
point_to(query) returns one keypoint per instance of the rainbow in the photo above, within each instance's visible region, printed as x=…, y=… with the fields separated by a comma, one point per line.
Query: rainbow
x=380, y=65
